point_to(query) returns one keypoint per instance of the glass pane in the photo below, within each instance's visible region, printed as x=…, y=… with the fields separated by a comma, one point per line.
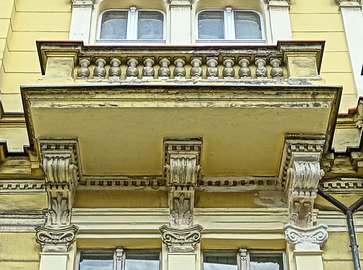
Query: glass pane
x=219, y=261
x=247, y=25
x=114, y=25
x=142, y=261
x=266, y=262
x=96, y=262
x=211, y=25
x=150, y=25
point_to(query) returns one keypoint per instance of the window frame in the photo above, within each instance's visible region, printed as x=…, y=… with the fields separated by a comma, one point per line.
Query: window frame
x=229, y=26
x=131, y=27
x=248, y=253
x=113, y=251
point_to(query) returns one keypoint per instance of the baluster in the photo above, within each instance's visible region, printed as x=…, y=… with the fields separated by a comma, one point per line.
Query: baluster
x=196, y=71
x=132, y=71
x=164, y=70
x=244, y=71
x=228, y=70
x=212, y=70
x=261, y=71
x=115, y=70
x=100, y=70
x=179, y=70
x=83, y=70
x=148, y=70
x=276, y=70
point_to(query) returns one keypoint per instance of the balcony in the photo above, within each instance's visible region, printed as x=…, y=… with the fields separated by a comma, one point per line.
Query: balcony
x=287, y=63
x=121, y=103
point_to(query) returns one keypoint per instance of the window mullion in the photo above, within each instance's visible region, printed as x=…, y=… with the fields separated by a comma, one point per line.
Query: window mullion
x=244, y=262
x=132, y=24
x=228, y=24
x=118, y=259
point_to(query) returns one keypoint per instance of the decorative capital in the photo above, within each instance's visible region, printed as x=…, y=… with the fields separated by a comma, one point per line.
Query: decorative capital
x=306, y=238
x=56, y=240
x=278, y=3
x=182, y=162
x=180, y=2
x=181, y=240
x=350, y=3
x=83, y=3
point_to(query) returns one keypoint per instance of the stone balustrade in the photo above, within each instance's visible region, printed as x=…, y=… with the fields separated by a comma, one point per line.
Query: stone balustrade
x=287, y=62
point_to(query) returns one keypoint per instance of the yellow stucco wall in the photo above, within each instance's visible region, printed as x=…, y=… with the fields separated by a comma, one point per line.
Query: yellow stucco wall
x=18, y=251
x=30, y=21
x=321, y=20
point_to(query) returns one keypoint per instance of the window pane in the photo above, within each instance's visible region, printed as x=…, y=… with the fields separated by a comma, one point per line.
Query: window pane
x=114, y=25
x=266, y=262
x=150, y=25
x=142, y=261
x=211, y=25
x=96, y=262
x=247, y=25
x=219, y=261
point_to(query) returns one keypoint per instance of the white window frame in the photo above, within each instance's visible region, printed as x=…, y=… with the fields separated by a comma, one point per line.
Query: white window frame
x=117, y=253
x=132, y=27
x=229, y=27
x=247, y=256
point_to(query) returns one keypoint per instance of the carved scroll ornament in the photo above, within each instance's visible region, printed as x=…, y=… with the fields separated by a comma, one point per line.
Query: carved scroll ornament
x=308, y=238
x=181, y=240
x=58, y=239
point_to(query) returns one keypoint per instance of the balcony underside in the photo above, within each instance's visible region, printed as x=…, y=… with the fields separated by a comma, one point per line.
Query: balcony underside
x=121, y=129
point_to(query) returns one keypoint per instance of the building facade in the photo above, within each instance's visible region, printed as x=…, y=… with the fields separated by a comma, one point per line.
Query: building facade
x=181, y=134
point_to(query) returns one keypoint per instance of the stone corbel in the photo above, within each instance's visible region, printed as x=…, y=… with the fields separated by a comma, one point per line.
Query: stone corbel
x=300, y=175
x=306, y=238
x=60, y=166
x=181, y=240
x=182, y=162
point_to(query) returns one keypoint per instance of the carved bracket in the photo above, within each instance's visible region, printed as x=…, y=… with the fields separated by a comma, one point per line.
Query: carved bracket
x=306, y=239
x=182, y=162
x=181, y=240
x=300, y=174
x=60, y=166
x=55, y=240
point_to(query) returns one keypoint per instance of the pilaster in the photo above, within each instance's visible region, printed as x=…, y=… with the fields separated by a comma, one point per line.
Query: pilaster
x=181, y=236
x=280, y=20
x=56, y=236
x=81, y=20
x=352, y=16
x=180, y=21
x=300, y=175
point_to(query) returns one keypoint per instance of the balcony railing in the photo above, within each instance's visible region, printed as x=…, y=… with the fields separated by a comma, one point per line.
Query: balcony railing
x=292, y=62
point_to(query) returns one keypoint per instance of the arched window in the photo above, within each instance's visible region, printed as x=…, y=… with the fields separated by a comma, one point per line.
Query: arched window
x=132, y=24
x=230, y=25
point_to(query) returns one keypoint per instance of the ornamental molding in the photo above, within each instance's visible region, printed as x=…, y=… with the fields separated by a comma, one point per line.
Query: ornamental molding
x=55, y=240
x=181, y=240
x=300, y=174
x=182, y=162
x=278, y=3
x=306, y=238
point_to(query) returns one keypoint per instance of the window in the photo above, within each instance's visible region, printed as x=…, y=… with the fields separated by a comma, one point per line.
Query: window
x=127, y=25
x=119, y=260
x=242, y=260
x=228, y=24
